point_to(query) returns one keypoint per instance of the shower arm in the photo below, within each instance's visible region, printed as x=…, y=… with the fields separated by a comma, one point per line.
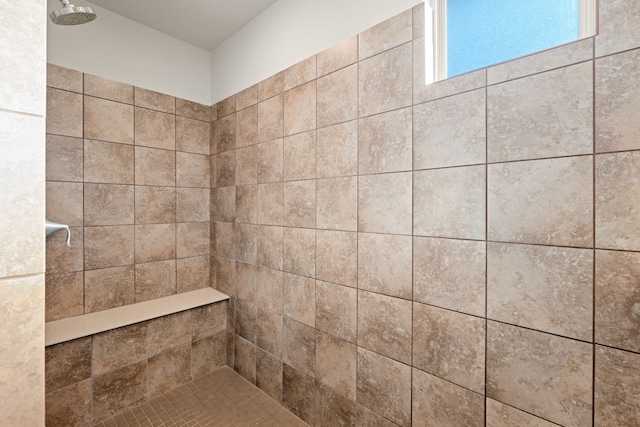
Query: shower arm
x=52, y=227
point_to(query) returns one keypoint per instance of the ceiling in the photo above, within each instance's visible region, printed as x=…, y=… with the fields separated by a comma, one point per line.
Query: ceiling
x=202, y=23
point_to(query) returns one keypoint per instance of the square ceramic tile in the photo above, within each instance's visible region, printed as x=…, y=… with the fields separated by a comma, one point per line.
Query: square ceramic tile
x=269, y=335
x=299, y=73
x=155, y=129
x=300, y=109
x=108, y=246
x=338, y=96
x=385, y=264
x=299, y=300
x=155, y=242
x=300, y=204
x=247, y=126
x=336, y=310
x=154, y=204
x=271, y=86
x=618, y=25
x=108, y=89
x=338, y=150
x=337, y=204
x=442, y=194
x=109, y=397
x=224, y=134
x=298, y=394
x=384, y=142
x=226, y=169
x=522, y=207
x=154, y=166
x=300, y=156
x=111, y=121
x=64, y=202
x=64, y=295
x=247, y=97
x=270, y=160
x=226, y=106
x=192, y=170
x=384, y=203
x=299, y=253
x=336, y=364
x=616, y=387
x=337, y=257
x=108, y=163
x=64, y=78
x=299, y=347
x=271, y=204
x=246, y=165
x=106, y=204
x=386, y=35
x=271, y=118
x=155, y=280
x=192, y=136
x=154, y=100
x=270, y=247
x=338, y=56
x=65, y=113
x=501, y=415
x=64, y=158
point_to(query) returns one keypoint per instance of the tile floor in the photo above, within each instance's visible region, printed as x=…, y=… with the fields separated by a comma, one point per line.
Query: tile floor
x=222, y=399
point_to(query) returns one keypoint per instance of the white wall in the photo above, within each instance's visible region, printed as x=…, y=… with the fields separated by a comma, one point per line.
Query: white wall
x=120, y=49
x=288, y=32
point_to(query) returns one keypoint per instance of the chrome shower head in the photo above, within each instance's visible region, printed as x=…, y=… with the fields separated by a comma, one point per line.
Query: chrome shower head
x=69, y=14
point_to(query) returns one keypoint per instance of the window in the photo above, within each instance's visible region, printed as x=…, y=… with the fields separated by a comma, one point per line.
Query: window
x=464, y=35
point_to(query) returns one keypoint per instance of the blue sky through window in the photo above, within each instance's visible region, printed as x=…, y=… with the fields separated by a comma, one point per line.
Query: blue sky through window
x=485, y=32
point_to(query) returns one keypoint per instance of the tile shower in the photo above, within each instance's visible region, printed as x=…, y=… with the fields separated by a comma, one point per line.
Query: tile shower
x=461, y=254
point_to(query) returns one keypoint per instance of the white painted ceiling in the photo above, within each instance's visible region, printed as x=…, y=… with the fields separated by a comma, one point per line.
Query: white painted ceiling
x=202, y=23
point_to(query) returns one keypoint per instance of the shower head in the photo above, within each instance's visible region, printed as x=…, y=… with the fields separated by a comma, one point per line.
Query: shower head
x=69, y=14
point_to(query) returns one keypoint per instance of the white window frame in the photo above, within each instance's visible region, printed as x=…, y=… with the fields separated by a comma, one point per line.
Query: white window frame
x=436, y=34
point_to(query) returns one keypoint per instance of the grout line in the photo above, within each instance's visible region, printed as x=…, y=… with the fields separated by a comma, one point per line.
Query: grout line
x=593, y=273
x=486, y=253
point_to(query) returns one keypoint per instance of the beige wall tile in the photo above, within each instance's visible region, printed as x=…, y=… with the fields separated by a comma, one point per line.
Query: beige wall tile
x=169, y=370
x=63, y=259
x=270, y=203
x=386, y=35
x=450, y=131
x=166, y=332
x=226, y=169
x=193, y=204
x=64, y=78
x=67, y=363
x=300, y=204
x=617, y=299
x=108, y=89
x=616, y=102
x=269, y=334
x=449, y=345
x=371, y=419
x=442, y=403
x=208, y=354
x=501, y=415
x=442, y=194
x=300, y=109
x=246, y=243
x=154, y=166
x=64, y=158
x=270, y=247
x=418, y=20
x=299, y=253
x=64, y=295
x=247, y=126
x=119, y=390
x=270, y=118
x=269, y=289
x=246, y=165
x=64, y=202
x=225, y=133
x=545, y=288
x=334, y=409
x=617, y=386
x=337, y=257
x=271, y=86
x=384, y=325
x=208, y=320
x=246, y=203
x=247, y=97
x=223, y=275
x=384, y=142
x=155, y=242
x=338, y=150
x=618, y=26
x=192, y=273
x=338, y=56
x=617, y=186
x=384, y=203
x=108, y=163
x=384, y=386
x=384, y=82
x=299, y=347
x=119, y=347
x=154, y=100
x=69, y=406
x=269, y=374
x=227, y=106
x=270, y=161
x=300, y=73
x=192, y=170
x=450, y=274
x=542, y=374
x=337, y=207
x=246, y=321
x=192, y=238
x=64, y=113
x=545, y=115
x=109, y=288
x=108, y=246
x=108, y=121
x=298, y=394
x=385, y=264
x=338, y=96
x=244, y=356
x=561, y=56
x=299, y=299
x=336, y=364
x=193, y=110
x=224, y=236
x=246, y=282
x=106, y=204
x=299, y=157
x=192, y=135
x=155, y=204
x=155, y=280
x=523, y=209
x=336, y=310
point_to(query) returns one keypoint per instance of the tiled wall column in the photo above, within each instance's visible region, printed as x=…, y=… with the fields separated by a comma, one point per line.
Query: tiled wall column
x=22, y=122
x=456, y=254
